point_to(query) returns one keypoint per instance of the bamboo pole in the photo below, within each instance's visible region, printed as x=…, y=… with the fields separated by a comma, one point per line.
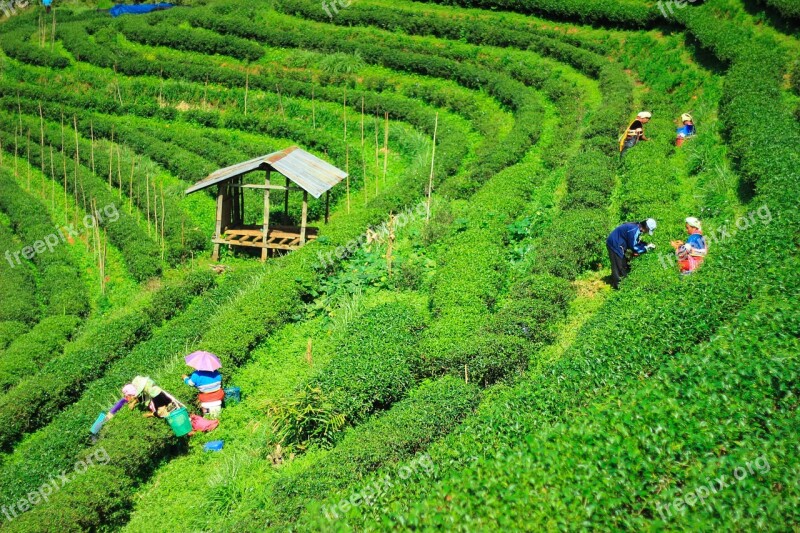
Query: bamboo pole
x=130, y=186
x=28, y=156
x=53, y=33
x=433, y=159
x=246, y=90
x=363, y=155
x=77, y=160
x=52, y=179
x=41, y=134
x=147, y=192
x=385, y=146
x=163, y=221
x=377, y=154
x=16, y=151
x=346, y=149
x=280, y=102
x=111, y=158
x=313, y=110
x=390, y=245
x=119, y=172
x=309, y=354
x=155, y=210
x=91, y=138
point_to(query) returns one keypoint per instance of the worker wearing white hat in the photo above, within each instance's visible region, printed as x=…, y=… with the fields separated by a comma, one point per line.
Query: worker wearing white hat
x=691, y=253
x=686, y=130
x=627, y=237
x=634, y=133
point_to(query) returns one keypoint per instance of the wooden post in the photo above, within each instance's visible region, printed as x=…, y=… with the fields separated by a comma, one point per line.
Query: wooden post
x=303, y=219
x=433, y=159
x=327, y=205
x=286, y=203
x=218, y=227
x=41, y=133
x=246, y=89
x=385, y=146
x=346, y=149
x=309, y=355
x=313, y=110
x=265, y=227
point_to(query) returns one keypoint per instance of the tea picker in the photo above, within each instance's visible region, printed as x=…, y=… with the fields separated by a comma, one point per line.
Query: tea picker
x=634, y=133
x=627, y=237
x=207, y=380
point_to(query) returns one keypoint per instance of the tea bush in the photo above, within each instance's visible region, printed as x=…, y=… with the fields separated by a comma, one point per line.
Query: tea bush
x=32, y=350
x=61, y=287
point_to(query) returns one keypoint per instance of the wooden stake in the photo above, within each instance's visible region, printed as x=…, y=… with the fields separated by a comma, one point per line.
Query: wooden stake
x=155, y=210
x=377, y=153
x=205, y=94
x=390, y=245
x=163, y=221
x=147, y=192
x=246, y=90
x=346, y=149
x=363, y=155
x=77, y=160
x=280, y=102
x=91, y=138
x=41, y=134
x=119, y=171
x=433, y=159
x=313, y=110
x=466, y=374
x=52, y=179
x=28, y=155
x=16, y=151
x=111, y=158
x=309, y=354
x=130, y=185
x=385, y=146
x=53, y=33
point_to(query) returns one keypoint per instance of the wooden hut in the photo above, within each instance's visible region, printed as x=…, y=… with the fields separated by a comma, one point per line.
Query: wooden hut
x=302, y=172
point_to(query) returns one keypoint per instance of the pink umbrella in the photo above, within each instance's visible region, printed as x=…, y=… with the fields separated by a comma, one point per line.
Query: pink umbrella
x=203, y=361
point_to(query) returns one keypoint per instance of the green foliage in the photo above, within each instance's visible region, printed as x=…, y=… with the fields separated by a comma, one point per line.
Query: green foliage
x=9, y=331
x=32, y=350
x=307, y=416
x=17, y=286
x=17, y=45
x=35, y=400
x=60, y=280
x=430, y=412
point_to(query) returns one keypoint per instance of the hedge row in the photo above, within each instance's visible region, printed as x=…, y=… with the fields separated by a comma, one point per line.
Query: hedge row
x=450, y=151
x=429, y=412
x=142, y=255
x=34, y=401
x=60, y=280
x=18, y=302
x=17, y=44
x=249, y=316
x=625, y=14
x=9, y=331
x=59, y=444
x=139, y=30
x=626, y=342
x=28, y=353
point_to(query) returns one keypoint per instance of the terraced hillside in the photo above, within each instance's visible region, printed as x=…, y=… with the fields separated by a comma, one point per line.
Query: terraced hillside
x=470, y=369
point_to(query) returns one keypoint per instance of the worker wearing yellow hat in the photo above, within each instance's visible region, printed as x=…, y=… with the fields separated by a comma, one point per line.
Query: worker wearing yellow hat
x=691, y=253
x=686, y=130
x=634, y=133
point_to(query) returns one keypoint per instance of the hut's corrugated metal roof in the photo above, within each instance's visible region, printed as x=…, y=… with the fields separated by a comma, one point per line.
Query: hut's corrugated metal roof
x=307, y=171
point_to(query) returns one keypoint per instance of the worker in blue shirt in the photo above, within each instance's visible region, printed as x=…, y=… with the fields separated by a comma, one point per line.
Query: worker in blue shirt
x=627, y=237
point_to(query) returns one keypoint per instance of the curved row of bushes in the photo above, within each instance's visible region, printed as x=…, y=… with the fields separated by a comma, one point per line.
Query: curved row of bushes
x=35, y=400
x=626, y=343
x=17, y=44
x=60, y=286
x=18, y=302
x=142, y=255
x=28, y=353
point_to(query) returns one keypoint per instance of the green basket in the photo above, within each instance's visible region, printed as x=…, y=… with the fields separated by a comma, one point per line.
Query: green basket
x=180, y=422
